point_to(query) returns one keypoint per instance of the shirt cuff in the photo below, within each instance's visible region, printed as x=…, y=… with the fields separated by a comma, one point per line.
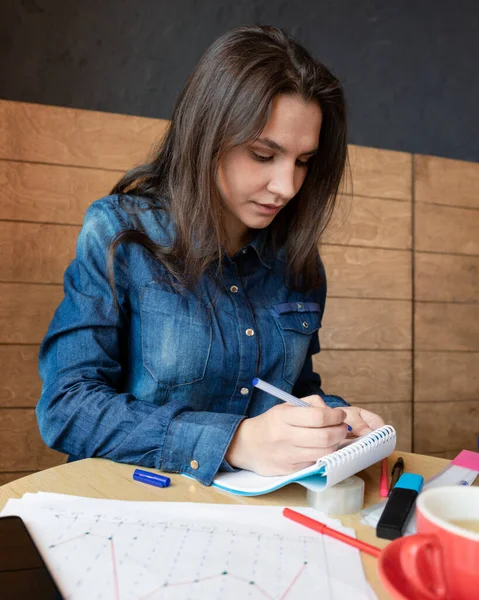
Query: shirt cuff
x=196, y=443
x=334, y=401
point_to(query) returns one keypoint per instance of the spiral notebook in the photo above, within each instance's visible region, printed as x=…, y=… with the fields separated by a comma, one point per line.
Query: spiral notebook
x=352, y=457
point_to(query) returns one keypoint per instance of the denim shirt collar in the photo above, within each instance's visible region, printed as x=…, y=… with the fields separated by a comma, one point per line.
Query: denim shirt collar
x=260, y=246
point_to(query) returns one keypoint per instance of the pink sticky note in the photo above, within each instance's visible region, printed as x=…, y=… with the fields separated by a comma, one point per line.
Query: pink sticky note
x=467, y=459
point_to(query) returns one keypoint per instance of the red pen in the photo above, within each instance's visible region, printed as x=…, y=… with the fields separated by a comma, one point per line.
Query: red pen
x=324, y=529
x=384, y=481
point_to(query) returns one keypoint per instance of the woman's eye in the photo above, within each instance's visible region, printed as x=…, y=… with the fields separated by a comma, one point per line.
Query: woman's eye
x=303, y=163
x=263, y=158
x=260, y=157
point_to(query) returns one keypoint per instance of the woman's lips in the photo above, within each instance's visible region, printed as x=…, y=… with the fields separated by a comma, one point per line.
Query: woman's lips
x=267, y=209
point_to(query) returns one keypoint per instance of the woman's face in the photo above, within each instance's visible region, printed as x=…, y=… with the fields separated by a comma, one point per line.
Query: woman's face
x=257, y=179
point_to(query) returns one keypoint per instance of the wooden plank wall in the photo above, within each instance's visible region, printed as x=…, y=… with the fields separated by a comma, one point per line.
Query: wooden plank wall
x=55, y=161
x=446, y=279
x=366, y=338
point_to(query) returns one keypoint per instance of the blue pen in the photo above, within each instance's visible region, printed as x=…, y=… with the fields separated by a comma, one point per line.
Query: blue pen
x=151, y=478
x=277, y=393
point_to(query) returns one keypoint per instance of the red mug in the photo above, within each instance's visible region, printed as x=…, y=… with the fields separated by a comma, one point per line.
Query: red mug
x=441, y=561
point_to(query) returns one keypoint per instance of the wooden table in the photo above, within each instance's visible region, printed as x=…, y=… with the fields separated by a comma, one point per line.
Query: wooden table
x=100, y=478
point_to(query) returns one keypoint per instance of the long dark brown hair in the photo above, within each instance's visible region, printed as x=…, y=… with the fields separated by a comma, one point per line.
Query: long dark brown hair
x=226, y=102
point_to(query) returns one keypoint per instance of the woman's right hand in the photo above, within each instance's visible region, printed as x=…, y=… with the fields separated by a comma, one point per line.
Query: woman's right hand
x=287, y=438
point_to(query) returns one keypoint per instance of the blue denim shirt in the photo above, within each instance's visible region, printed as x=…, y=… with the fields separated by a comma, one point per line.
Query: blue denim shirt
x=164, y=379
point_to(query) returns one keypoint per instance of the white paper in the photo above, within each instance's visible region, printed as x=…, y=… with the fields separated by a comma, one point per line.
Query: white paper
x=112, y=550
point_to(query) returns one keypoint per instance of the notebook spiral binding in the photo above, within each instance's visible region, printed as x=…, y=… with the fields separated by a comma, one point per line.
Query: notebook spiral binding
x=356, y=449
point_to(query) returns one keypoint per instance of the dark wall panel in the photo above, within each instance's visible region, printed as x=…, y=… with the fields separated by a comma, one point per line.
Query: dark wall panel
x=409, y=68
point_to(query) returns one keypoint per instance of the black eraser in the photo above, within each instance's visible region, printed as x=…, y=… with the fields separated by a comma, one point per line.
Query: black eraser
x=396, y=513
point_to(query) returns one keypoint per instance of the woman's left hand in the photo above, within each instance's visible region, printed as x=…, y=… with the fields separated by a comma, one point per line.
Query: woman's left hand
x=361, y=420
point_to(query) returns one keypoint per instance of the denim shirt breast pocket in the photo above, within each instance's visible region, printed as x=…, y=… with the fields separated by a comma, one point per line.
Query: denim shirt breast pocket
x=297, y=323
x=176, y=336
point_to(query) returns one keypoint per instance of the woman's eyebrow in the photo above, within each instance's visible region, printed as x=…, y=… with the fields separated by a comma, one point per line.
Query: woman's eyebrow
x=275, y=146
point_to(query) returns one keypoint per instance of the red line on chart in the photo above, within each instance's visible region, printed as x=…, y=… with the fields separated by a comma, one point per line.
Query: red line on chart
x=113, y=558
x=259, y=588
x=179, y=583
x=79, y=536
x=188, y=582
x=289, y=588
x=115, y=574
x=66, y=541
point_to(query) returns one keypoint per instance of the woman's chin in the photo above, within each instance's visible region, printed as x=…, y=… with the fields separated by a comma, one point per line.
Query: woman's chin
x=258, y=221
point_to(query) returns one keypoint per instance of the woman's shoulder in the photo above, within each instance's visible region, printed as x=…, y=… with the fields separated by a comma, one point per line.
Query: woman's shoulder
x=119, y=207
x=116, y=213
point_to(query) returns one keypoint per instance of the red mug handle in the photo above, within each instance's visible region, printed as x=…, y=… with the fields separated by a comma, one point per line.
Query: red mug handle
x=422, y=562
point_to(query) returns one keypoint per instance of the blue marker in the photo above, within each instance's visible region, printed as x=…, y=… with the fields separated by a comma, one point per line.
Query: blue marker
x=151, y=478
x=282, y=395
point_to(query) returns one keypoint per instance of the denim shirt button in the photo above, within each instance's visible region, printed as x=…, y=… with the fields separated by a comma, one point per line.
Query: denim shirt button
x=305, y=324
x=249, y=332
x=194, y=464
x=234, y=289
x=244, y=391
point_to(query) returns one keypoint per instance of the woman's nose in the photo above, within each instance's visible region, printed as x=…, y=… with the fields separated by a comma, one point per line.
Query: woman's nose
x=283, y=183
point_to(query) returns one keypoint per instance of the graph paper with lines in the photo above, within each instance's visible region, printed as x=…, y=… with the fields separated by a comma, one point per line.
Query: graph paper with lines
x=113, y=550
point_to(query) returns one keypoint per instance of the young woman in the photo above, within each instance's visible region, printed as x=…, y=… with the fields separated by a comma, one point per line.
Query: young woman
x=201, y=271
